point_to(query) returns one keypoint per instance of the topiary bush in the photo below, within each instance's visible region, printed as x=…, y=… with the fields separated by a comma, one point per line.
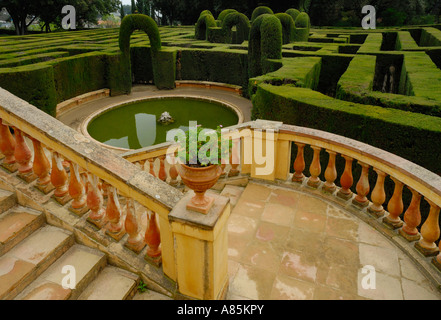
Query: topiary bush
x=303, y=26
x=288, y=27
x=163, y=61
x=242, y=24
x=225, y=13
x=293, y=13
x=204, y=22
x=205, y=12
x=259, y=11
x=265, y=43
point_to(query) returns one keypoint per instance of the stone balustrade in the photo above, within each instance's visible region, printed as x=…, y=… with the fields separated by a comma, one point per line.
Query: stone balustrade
x=290, y=145
x=81, y=175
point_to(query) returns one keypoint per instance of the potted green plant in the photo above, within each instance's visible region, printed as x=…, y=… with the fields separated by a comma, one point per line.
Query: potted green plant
x=199, y=164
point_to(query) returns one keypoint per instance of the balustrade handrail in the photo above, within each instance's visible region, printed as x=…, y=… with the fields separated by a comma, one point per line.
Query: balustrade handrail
x=412, y=175
x=126, y=177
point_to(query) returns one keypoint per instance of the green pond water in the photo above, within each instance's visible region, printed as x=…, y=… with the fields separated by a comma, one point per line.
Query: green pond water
x=135, y=126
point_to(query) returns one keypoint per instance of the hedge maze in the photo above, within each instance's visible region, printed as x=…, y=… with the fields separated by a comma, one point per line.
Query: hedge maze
x=382, y=87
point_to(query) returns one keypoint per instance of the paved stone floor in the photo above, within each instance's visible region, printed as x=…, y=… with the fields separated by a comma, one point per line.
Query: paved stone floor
x=285, y=244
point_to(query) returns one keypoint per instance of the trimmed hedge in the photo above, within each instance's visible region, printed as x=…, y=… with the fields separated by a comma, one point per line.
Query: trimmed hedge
x=204, y=23
x=265, y=42
x=288, y=27
x=215, y=66
x=221, y=17
x=302, y=72
x=259, y=11
x=357, y=85
x=293, y=13
x=163, y=60
x=34, y=84
x=430, y=37
x=303, y=26
x=409, y=135
x=242, y=24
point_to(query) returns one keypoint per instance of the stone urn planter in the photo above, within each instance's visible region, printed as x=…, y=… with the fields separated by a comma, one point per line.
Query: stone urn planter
x=200, y=179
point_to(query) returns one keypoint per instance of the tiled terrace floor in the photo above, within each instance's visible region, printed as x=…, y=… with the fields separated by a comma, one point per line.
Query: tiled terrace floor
x=285, y=244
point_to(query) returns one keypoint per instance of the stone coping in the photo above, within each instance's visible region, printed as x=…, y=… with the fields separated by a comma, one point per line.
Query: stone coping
x=130, y=181
x=87, y=97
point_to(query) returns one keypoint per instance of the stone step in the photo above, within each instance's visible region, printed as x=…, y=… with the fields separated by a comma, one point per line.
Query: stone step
x=16, y=224
x=30, y=258
x=112, y=284
x=8, y=199
x=82, y=265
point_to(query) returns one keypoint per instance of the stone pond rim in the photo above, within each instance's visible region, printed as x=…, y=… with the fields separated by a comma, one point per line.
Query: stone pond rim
x=85, y=124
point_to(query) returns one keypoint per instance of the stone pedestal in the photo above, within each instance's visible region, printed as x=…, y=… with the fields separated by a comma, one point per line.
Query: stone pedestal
x=201, y=248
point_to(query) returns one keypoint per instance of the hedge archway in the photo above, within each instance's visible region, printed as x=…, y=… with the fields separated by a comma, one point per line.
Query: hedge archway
x=288, y=27
x=265, y=43
x=134, y=22
x=204, y=22
x=293, y=13
x=242, y=24
x=259, y=11
x=225, y=13
x=163, y=61
x=303, y=26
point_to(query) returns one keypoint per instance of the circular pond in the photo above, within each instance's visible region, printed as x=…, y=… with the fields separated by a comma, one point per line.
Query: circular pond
x=135, y=125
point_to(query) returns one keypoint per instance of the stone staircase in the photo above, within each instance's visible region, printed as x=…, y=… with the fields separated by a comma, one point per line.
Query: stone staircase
x=36, y=259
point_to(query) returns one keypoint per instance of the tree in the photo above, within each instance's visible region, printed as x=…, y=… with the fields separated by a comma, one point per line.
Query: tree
x=22, y=13
x=121, y=11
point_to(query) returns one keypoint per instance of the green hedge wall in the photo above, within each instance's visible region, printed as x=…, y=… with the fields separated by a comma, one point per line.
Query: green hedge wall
x=409, y=135
x=216, y=66
x=265, y=42
x=302, y=27
x=79, y=74
x=34, y=84
x=225, y=13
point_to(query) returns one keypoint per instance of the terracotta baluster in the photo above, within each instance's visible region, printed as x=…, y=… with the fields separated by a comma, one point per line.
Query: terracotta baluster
x=77, y=191
x=60, y=180
x=378, y=196
x=315, y=169
x=234, y=159
x=430, y=232
x=23, y=157
x=7, y=148
x=173, y=171
x=412, y=218
x=153, y=237
x=95, y=201
x=330, y=173
x=152, y=167
x=299, y=164
x=362, y=187
x=135, y=242
x=162, y=175
x=346, y=180
x=223, y=166
x=395, y=206
x=42, y=168
x=114, y=214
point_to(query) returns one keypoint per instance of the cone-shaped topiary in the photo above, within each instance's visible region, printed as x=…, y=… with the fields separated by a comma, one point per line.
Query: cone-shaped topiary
x=288, y=27
x=205, y=21
x=293, y=13
x=259, y=11
x=242, y=24
x=265, y=43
